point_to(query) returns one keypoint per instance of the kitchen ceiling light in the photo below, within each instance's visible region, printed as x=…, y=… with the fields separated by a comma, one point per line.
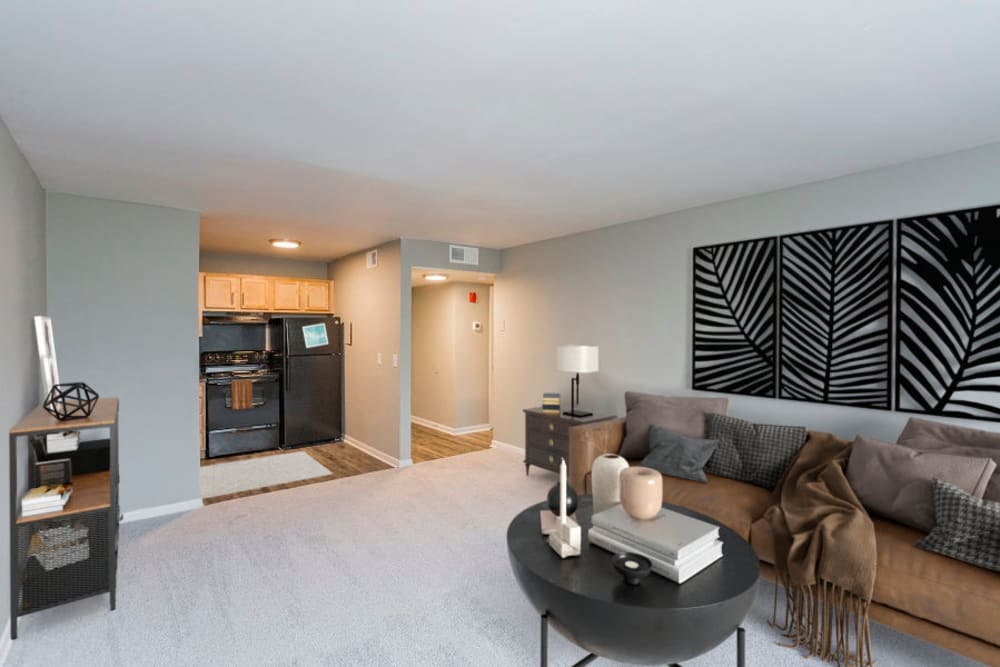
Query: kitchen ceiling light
x=287, y=244
x=435, y=277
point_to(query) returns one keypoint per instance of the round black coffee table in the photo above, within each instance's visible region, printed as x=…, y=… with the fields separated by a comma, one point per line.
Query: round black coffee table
x=655, y=622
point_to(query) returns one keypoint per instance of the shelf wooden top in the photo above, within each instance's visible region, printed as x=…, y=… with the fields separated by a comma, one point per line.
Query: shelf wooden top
x=91, y=491
x=39, y=421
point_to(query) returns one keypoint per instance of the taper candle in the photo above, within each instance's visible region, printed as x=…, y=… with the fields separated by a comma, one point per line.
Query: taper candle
x=562, y=490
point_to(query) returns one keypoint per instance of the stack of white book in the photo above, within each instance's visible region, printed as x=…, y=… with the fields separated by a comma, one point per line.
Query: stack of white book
x=67, y=441
x=46, y=499
x=678, y=546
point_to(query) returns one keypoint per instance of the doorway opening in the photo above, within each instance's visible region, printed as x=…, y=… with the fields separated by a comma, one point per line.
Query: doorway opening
x=451, y=375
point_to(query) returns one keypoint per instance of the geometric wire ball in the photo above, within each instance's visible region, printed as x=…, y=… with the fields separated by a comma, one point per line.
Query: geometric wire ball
x=72, y=400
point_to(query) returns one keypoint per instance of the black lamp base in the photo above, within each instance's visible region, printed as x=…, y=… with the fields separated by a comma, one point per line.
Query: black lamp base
x=578, y=413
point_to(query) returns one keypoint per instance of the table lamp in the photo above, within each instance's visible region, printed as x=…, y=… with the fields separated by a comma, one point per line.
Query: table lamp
x=576, y=359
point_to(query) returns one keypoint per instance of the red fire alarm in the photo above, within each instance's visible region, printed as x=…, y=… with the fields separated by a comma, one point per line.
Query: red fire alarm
x=473, y=297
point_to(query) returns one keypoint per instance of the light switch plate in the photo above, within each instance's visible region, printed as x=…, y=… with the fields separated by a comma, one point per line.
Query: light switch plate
x=378, y=358
x=395, y=360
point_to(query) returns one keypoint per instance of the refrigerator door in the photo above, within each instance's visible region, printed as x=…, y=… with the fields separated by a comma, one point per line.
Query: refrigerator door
x=312, y=401
x=311, y=336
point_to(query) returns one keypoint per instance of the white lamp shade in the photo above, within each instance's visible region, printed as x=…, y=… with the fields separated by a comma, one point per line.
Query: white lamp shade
x=577, y=358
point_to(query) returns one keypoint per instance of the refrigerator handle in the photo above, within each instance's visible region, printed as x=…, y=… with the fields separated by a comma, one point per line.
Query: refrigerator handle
x=284, y=358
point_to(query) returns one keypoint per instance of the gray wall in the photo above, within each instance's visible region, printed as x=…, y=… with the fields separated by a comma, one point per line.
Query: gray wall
x=628, y=289
x=450, y=380
x=123, y=297
x=22, y=276
x=368, y=301
x=220, y=262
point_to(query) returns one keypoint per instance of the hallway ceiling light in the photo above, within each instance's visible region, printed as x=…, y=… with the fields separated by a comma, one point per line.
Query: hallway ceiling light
x=435, y=277
x=287, y=244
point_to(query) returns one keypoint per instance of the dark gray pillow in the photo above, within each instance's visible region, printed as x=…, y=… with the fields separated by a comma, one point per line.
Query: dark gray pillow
x=758, y=454
x=678, y=455
x=680, y=414
x=968, y=529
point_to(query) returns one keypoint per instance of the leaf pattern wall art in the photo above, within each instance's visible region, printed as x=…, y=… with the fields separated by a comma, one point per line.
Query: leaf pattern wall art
x=948, y=322
x=735, y=288
x=835, y=303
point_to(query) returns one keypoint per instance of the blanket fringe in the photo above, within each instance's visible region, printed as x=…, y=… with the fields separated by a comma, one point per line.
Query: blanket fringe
x=827, y=621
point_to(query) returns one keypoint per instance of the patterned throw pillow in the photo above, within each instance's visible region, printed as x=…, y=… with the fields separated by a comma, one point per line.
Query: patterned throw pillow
x=968, y=529
x=758, y=454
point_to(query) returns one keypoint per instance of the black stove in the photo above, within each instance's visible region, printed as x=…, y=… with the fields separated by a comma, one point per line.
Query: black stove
x=247, y=426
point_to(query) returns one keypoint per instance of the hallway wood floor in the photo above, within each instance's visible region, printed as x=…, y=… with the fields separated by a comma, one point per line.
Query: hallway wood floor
x=428, y=444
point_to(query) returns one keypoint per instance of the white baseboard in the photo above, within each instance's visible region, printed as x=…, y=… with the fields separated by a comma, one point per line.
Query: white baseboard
x=500, y=443
x=162, y=510
x=450, y=430
x=377, y=453
x=6, y=644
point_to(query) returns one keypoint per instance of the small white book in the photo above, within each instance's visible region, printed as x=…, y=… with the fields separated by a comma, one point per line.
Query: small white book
x=676, y=573
x=671, y=535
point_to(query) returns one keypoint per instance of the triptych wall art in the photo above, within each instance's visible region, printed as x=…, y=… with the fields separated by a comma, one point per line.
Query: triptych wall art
x=902, y=314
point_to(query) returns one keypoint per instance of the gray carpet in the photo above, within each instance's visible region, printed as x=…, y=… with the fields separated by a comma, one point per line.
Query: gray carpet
x=399, y=567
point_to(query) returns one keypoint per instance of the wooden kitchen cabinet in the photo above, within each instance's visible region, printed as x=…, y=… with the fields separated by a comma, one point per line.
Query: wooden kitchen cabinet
x=287, y=294
x=317, y=296
x=255, y=292
x=221, y=292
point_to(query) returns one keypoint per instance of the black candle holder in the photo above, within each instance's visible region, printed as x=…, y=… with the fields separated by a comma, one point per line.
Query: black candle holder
x=72, y=400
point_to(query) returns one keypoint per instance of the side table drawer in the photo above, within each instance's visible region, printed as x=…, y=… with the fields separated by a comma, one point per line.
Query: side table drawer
x=551, y=426
x=543, y=459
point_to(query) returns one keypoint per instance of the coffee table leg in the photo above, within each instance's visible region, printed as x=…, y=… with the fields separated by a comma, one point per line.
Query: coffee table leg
x=741, y=647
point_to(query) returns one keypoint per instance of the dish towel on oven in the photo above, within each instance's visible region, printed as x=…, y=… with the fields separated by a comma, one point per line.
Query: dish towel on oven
x=242, y=394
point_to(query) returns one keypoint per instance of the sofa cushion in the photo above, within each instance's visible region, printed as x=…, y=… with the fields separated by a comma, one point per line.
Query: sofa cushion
x=684, y=415
x=677, y=455
x=755, y=453
x=731, y=503
x=941, y=590
x=968, y=528
x=925, y=435
x=897, y=482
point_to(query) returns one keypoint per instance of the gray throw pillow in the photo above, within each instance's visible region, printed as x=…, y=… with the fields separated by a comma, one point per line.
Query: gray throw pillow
x=896, y=482
x=681, y=414
x=758, y=454
x=678, y=455
x=968, y=529
x=926, y=436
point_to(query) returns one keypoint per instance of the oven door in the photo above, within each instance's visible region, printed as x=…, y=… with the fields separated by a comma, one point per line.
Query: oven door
x=265, y=409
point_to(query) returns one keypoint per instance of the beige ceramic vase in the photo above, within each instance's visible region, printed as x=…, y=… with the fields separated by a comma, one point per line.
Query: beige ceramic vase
x=642, y=492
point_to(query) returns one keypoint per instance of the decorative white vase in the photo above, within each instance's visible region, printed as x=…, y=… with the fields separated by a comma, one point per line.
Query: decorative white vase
x=605, y=480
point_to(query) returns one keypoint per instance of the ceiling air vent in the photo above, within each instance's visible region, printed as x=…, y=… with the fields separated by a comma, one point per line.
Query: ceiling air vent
x=460, y=254
x=371, y=259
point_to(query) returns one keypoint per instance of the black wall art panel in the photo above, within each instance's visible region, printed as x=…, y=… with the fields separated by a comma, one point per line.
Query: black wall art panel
x=948, y=322
x=735, y=288
x=835, y=304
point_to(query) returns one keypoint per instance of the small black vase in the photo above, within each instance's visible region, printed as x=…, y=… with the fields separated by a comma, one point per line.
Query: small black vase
x=571, y=500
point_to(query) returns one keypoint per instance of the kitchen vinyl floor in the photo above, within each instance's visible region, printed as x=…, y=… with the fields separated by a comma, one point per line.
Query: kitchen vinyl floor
x=429, y=445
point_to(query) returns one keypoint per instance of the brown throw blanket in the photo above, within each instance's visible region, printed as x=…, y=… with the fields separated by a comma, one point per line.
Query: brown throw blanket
x=824, y=545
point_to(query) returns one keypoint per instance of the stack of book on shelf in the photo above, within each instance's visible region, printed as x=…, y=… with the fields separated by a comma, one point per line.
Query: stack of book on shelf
x=46, y=499
x=678, y=546
x=550, y=403
x=67, y=441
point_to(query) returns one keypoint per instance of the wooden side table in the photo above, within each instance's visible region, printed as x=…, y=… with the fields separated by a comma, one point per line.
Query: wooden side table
x=81, y=540
x=547, y=437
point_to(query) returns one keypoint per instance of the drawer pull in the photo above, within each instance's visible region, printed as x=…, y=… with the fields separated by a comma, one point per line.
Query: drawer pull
x=552, y=426
x=552, y=443
x=552, y=459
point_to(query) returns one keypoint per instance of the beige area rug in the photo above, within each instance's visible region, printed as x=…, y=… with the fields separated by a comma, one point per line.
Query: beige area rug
x=220, y=479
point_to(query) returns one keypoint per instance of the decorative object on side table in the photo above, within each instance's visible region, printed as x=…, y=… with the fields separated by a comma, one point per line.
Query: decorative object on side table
x=642, y=492
x=72, y=400
x=576, y=359
x=605, y=480
x=555, y=495
x=633, y=567
x=551, y=403
x=567, y=537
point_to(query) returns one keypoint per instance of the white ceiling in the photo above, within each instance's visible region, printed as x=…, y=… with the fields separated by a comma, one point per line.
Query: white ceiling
x=491, y=123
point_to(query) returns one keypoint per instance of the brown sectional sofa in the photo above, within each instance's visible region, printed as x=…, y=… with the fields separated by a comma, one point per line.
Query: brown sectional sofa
x=937, y=599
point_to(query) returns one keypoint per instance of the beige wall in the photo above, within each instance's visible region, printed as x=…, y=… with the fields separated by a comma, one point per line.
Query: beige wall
x=628, y=289
x=368, y=301
x=450, y=379
x=22, y=296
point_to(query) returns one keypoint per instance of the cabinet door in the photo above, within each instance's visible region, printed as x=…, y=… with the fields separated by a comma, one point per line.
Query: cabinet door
x=286, y=295
x=255, y=293
x=317, y=296
x=221, y=292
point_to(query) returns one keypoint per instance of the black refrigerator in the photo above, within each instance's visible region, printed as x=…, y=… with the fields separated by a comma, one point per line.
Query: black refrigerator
x=309, y=351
